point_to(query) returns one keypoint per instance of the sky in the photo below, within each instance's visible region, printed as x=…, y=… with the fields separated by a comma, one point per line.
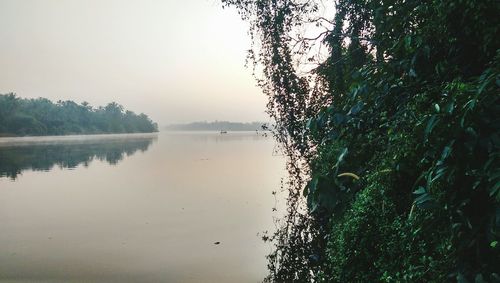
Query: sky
x=175, y=60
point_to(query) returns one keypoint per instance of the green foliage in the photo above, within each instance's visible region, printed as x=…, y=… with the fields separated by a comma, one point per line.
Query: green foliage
x=37, y=117
x=372, y=227
x=406, y=96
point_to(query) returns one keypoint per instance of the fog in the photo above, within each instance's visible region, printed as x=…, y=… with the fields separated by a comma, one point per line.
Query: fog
x=177, y=61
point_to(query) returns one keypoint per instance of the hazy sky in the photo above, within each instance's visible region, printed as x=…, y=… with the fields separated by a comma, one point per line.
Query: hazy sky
x=176, y=61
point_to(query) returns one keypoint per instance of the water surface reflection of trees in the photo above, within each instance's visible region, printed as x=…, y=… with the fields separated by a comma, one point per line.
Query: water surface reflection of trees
x=43, y=156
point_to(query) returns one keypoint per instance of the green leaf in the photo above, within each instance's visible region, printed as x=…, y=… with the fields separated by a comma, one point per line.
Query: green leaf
x=309, y=123
x=449, y=107
x=437, y=108
x=423, y=199
x=495, y=190
x=439, y=173
x=420, y=190
x=341, y=157
x=313, y=184
x=408, y=42
x=430, y=126
x=446, y=151
x=356, y=108
x=483, y=86
x=470, y=104
x=305, y=191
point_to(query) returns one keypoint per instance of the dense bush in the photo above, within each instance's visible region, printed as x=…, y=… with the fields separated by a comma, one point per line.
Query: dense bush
x=37, y=117
x=393, y=137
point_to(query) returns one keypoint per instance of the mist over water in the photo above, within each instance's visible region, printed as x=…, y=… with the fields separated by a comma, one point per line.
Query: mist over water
x=137, y=208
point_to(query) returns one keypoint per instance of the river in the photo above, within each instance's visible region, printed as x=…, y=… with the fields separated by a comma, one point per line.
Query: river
x=167, y=207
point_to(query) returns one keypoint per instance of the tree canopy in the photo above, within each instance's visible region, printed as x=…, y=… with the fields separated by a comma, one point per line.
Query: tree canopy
x=388, y=113
x=38, y=117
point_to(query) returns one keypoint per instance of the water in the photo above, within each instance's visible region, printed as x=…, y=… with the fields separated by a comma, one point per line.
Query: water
x=137, y=208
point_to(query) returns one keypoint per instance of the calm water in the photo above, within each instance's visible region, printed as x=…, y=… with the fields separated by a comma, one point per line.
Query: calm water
x=137, y=208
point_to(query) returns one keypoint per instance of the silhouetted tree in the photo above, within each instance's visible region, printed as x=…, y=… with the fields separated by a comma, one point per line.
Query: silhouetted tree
x=40, y=116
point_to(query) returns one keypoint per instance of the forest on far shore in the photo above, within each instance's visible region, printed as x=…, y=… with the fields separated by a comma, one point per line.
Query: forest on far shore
x=40, y=117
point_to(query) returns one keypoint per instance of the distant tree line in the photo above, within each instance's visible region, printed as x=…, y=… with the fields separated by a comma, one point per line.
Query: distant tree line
x=40, y=116
x=218, y=126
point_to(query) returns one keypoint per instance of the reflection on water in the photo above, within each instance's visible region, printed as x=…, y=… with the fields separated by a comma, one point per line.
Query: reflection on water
x=154, y=217
x=42, y=154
